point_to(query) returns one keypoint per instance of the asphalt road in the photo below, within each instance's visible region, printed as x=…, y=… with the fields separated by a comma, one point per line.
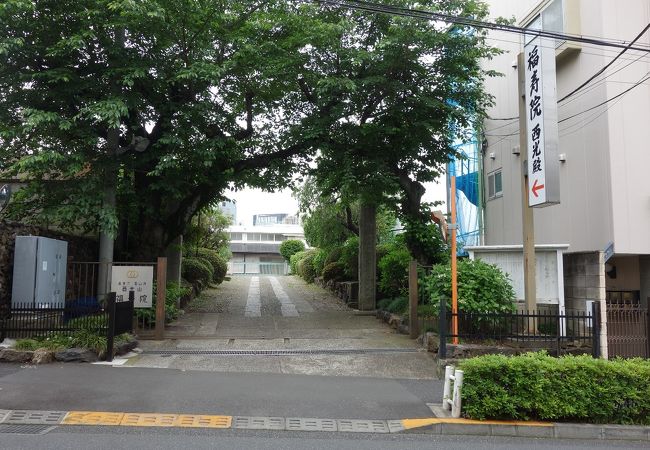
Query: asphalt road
x=157, y=439
x=130, y=389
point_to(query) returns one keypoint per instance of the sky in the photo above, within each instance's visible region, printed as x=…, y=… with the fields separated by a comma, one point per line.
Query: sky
x=254, y=201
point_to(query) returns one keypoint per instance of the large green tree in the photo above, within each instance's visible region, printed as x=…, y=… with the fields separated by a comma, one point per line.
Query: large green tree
x=200, y=95
x=404, y=91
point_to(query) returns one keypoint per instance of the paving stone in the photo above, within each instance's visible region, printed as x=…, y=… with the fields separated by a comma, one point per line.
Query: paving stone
x=310, y=424
x=504, y=430
x=363, y=426
x=258, y=423
x=3, y=414
x=35, y=417
x=395, y=426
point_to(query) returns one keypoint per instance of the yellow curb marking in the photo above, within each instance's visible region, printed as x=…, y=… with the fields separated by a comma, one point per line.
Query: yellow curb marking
x=198, y=421
x=92, y=418
x=417, y=423
x=148, y=420
x=409, y=424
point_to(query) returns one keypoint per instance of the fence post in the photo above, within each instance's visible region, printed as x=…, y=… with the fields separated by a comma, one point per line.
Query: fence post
x=595, y=329
x=110, y=335
x=442, y=329
x=414, y=332
x=161, y=293
x=558, y=331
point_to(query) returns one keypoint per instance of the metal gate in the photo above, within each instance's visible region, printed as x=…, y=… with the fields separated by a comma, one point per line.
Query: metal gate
x=628, y=330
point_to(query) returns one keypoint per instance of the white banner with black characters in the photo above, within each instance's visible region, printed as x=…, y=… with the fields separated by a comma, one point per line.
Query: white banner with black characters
x=138, y=279
x=541, y=123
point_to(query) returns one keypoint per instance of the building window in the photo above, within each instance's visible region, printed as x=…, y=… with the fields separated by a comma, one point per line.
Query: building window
x=495, y=184
x=236, y=236
x=550, y=19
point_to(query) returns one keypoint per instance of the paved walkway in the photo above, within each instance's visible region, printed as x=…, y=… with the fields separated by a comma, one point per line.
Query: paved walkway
x=283, y=325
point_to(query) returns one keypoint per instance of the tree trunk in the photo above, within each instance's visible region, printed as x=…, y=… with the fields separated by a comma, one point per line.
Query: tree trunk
x=367, y=257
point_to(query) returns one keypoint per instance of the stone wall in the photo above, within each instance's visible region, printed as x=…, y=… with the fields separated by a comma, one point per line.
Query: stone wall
x=79, y=249
x=584, y=279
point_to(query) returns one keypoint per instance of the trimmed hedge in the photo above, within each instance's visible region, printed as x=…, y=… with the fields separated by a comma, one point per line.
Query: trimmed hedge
x=196, y=270
x=219, y=266
x=294, y=260
x=536, y=386
x=290, y=247
x=319, y=261
x=306, y=267
x=333, y=272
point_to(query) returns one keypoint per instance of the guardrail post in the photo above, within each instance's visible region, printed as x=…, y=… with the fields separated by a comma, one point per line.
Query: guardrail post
x=110, y=334
x=161, y=293
x=442, y=329
x=414, y=332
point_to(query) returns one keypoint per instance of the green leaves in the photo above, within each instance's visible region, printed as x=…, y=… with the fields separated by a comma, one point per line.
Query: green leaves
x=536, y=386
x=482, y=287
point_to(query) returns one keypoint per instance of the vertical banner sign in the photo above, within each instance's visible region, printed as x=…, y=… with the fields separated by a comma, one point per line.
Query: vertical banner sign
x=138, y=279
x=541, y=121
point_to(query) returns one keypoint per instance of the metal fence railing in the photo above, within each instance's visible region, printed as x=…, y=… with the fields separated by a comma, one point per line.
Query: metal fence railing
x=628, y=330
x=551, y=330
x=26, y=320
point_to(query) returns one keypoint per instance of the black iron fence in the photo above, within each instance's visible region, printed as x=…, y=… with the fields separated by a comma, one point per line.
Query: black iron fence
x=42, y=321
x=557, y=332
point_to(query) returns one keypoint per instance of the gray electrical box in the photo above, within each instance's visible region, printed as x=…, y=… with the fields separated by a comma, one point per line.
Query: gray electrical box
x=39, y=272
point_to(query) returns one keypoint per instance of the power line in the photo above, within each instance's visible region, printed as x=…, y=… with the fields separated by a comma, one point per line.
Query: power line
x=634, y=86
x=447, y=18
x=608, y=65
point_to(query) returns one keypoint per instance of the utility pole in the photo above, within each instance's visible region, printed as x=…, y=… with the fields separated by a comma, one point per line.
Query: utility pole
x=454, y=263
x=528, y=220
x=367, y=257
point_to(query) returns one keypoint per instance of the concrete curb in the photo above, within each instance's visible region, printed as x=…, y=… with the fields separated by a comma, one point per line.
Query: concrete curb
x=427, y=425
x=548, y=430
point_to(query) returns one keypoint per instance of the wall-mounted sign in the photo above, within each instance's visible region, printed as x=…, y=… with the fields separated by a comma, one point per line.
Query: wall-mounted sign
x=541, y=121
x=138, y=279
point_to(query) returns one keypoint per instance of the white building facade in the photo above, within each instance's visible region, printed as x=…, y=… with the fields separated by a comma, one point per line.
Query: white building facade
x=604, y=148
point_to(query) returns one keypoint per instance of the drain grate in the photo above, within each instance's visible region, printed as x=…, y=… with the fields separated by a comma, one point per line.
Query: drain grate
x=281, y=352
x=25, y=429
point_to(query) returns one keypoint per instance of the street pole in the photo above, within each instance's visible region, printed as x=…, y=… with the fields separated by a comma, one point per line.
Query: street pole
x=454, y=264
x=528, y=219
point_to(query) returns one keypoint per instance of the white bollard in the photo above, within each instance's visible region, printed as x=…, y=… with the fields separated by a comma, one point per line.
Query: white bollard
x=446, y=392
x=456, y=402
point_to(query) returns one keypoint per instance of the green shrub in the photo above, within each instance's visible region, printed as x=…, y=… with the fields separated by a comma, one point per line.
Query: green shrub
x=173, y=294
x=350, y=258
x=290, y=247
x=89, y=323
x=54, y=342
x=196, y=270
x=482, y=287
x=306, y=267
x=393, y=272
x=399, y=305
x=208, y=264
x=333, y=272
x=334, y=255
x=319, y=262
x=218, y=264
x=294, y=260
x=536, y=386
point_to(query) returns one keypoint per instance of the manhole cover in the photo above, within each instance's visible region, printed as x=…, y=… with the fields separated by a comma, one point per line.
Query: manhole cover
x=26, y=429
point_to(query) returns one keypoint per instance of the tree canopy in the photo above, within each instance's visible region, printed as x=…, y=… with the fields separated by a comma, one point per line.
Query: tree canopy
x=174, y=101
